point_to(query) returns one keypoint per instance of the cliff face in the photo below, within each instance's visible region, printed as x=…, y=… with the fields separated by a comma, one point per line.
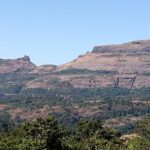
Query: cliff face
x=125, y=65
x=132, y=47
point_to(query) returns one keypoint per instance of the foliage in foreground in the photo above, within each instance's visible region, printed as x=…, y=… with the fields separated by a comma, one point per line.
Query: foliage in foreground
x=142, y=140
x=46, y=134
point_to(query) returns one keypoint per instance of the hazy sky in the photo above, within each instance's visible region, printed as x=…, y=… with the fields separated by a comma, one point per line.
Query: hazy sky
x=57, y=31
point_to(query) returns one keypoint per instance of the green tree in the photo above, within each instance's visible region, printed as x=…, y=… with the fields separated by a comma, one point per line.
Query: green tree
x=41, y=134
x=91, y=135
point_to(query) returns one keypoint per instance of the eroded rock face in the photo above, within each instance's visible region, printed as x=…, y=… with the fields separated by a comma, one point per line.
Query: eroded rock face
x=129, y=82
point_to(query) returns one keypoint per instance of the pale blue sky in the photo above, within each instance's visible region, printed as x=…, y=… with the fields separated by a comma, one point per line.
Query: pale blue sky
x=57, y=31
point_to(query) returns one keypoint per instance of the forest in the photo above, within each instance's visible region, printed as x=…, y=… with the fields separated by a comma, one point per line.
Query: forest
x=125, y=106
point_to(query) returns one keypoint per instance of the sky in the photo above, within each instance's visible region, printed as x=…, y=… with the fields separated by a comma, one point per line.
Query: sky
x=57, y=31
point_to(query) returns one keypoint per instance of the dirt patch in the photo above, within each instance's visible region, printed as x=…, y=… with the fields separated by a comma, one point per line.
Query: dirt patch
x=85, y=112
x=3, y=106
x=29, y=115
x=56, y=109
x=121, y=121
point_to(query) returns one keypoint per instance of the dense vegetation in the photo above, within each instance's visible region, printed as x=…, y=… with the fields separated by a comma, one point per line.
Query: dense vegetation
x=142, y=139
x=86, y=71
x=47, y=134
x=115, y=106
x=76, y=104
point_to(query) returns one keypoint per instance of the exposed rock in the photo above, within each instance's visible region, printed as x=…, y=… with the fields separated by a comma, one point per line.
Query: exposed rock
x=126, y=82
x=25, y=58
x=132, y=47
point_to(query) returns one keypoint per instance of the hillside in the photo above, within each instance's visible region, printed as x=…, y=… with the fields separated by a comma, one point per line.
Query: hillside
x=111, y=83
x=125, y=65
x=16, y=65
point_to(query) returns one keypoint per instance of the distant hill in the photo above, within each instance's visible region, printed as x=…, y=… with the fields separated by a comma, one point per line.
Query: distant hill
x=16, y=65
x=124, y=65
x=110, y=82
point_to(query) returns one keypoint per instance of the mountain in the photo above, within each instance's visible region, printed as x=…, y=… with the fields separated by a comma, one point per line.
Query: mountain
x=125, y=58
x=112, y=82
x=16, y=65
x=124, y=65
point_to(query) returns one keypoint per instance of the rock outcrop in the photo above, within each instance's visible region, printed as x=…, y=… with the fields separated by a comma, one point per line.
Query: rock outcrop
x=132, y=47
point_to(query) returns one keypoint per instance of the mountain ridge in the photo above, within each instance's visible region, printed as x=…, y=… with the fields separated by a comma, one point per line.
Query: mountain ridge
x=123, y=65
